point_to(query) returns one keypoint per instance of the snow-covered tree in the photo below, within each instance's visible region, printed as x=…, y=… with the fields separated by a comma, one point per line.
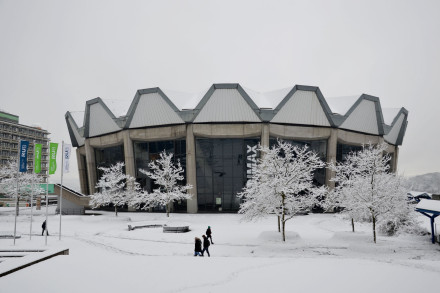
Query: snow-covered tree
x=365, y=188
x=114, y=187
x=282, y=184
x=28, y=183
x=166, y=174
x=401, y=215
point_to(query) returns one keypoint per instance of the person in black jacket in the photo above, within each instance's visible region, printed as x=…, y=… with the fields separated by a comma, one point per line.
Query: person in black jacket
x=44, y=228
x=198, y=247
x=208, y=234
x=205, y=245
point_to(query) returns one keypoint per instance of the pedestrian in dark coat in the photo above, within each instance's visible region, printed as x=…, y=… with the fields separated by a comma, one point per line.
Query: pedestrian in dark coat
x=44, y=228
x=205, y=245
x=198, y=247
x=208, y=234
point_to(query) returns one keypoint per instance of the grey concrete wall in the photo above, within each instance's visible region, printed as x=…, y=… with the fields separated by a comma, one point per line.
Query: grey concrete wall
x=91, y=166
x=191, y=178
x=158, y=133
x=354, y=138
x=227, y=130
x=80, y=153
x=299, y=132
x=332, y=145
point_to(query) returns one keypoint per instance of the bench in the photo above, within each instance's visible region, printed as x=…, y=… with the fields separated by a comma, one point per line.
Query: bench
x=175, y=229
x=130, y=228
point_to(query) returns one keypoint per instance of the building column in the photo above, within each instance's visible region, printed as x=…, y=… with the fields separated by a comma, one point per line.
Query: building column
x=81, y=172
x=192, y=205
x=91, y=166
x=265, y=135
x=396, y=157
x=128, y=154
x=129, y=159
x=332, y=145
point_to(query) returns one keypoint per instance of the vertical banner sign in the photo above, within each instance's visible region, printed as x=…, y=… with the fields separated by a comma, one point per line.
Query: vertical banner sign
x=66, y=154
x=24, y=146
x=37, y=158
x=53, y=147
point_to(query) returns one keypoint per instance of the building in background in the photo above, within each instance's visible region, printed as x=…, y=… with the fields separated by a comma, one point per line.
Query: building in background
x=215, y=134
x=11, y=132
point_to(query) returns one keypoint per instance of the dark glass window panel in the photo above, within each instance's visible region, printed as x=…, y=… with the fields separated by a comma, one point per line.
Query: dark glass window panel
x=144, y=152
x=105, y=157
x=222, y=166
x=317, y=146
x=343, y=150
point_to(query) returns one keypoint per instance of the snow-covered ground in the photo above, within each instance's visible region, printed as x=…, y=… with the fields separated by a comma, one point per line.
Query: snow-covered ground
x=320, y=255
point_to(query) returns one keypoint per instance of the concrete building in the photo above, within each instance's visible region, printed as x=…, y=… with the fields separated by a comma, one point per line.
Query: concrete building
x=216, y=136
x=11, y=132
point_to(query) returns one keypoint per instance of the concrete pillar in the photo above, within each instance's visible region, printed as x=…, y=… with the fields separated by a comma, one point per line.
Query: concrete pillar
x=82, y=173
x=91, y=166
x=332, y=145
x=192, y=206
x=396, y=156
x=265, y=135
x=128, y=154
x=129, y=158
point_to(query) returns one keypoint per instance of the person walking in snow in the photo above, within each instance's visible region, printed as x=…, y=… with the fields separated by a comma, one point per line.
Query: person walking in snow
x=208, y=234
x=198, y=247
x=44, y=228
x=205, y=245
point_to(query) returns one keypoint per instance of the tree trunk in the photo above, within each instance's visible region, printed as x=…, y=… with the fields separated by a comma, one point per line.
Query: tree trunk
x=116, y=210
x=168, y=209
x=352, y=225
x=284, y=229
x=279, y=225
x=283, y=217
x=374, y=229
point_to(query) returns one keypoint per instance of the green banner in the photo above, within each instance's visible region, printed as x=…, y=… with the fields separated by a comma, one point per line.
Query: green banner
x=37, y=158
x=51, y=189
x=53, y=147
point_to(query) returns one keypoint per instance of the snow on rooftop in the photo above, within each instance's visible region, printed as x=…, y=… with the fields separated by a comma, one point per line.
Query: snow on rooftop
x=389, y=114
x=118, y=107
x=78, y=117
x=184, y=100
x=341, y=105
x=268, y=99
x=429, y=204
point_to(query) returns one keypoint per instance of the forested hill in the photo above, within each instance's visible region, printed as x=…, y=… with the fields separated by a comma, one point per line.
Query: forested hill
x=429, y=182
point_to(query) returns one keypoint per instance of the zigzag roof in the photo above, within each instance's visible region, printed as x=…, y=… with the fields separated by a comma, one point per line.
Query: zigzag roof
x=230, y=103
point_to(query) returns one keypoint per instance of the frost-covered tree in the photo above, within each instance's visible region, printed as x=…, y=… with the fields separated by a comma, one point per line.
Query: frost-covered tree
x=115, y=187
x=282, y=184
x=166, y=174
x=28, y=183
x=365, y=188
x=401, y=215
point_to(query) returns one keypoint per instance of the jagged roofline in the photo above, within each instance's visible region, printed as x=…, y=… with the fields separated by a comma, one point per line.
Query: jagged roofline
x=321, y=99
x=216, y=86
x=378, y=108
x=87, y=114
x=69, y=128
x=137, y=97
x=402, y=130
x=335, y=120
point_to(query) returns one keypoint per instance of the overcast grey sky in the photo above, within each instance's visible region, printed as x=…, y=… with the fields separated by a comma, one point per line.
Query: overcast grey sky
x=56, y=55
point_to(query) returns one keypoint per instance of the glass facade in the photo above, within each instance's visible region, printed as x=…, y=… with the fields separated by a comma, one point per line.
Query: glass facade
x=144, y=152
x=223, y=165
x=343, y=150
x=105, y=157
x=318, y=146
